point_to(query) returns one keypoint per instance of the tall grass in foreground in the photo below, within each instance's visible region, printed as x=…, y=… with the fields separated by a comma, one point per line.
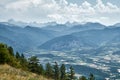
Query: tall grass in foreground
x=9, y=73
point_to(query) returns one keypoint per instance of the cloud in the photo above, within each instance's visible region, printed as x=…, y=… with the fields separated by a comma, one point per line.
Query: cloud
x=58, y=10
x=108, y=8
x=18, y=5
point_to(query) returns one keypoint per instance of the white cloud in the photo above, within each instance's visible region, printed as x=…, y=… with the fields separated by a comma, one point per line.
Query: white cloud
x=87, y=8
x=58, y=10
x=18, y=5
x=86, y=5
x=108, y=8
x=63, y=3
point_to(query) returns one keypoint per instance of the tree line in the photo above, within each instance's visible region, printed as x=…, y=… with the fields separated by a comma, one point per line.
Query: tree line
x=32, y=64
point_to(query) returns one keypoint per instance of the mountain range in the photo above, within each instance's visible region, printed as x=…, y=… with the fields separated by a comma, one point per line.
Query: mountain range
x=57, y=36
x=27, y=37
x=84, y=39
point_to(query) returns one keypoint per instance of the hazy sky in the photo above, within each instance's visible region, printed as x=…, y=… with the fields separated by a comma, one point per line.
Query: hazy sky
x=61, y=11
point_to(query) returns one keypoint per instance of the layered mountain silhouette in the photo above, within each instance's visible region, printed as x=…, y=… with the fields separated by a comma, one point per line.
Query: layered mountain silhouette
x=27, y=37
x=55, y=36
x=84, y=39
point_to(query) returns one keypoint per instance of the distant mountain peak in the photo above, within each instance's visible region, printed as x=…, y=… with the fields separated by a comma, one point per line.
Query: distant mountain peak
x=117, y=25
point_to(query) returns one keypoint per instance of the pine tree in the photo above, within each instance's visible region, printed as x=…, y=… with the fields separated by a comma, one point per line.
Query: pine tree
x=33, y=64
x=63, y=73
x=41, y=70
x=17, y=55
x=10, y=49
x=72, y=73
x=56, y=71
x=91, y=77
x=49, y=70
x=23, y=61
x=22, y=56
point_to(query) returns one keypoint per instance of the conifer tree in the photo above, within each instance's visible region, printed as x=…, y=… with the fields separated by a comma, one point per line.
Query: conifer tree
x=17, y=55
x=49, y=70
x=63, y=73
x=33, y=64
x=56, y=71
x=91, y=77
x=72, y=73
x=41, y=70
x=22, y=56
x=10, y=49
x=23, y=61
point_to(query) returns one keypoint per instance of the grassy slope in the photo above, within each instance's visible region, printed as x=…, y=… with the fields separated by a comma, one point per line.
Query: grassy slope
x=9, y=73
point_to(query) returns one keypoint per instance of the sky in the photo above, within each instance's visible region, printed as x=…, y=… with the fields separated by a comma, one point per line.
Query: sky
x=61, y=11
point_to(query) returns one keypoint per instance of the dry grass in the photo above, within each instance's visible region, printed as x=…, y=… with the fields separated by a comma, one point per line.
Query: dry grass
x=9, y=73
